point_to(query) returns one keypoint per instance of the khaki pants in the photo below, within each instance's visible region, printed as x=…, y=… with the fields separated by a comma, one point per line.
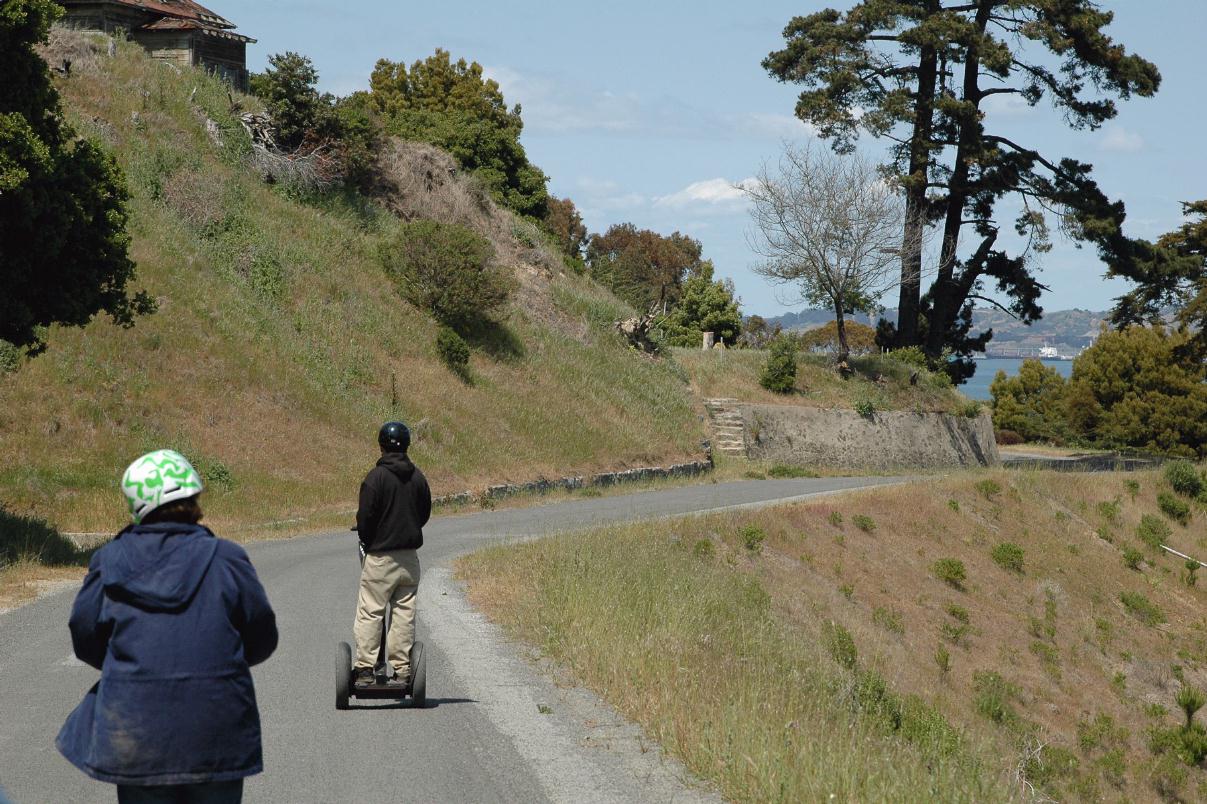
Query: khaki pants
x=391, y=579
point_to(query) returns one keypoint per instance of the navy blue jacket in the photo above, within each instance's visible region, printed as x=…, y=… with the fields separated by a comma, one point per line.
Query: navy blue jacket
x=172, y=617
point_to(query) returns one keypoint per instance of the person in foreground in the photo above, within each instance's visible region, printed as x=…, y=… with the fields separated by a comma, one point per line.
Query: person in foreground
x=395, y=504
x=173, y=617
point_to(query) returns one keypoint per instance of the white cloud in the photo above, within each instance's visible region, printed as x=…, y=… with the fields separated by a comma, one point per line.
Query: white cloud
x=1120, y=140
x=1006, y=105
x=708, y=193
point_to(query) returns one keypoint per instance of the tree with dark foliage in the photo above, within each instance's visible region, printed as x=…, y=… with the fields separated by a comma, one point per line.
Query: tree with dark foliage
x=1175, y=276
x=454, y=106
x=917, y=73
x=63, y=240
x=644, y=268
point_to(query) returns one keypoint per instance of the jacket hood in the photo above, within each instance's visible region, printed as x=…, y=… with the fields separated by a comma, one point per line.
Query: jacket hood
x=158, y=567
x=398, y=463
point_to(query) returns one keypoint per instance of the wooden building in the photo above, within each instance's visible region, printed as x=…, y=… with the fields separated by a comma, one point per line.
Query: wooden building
x=178, y=31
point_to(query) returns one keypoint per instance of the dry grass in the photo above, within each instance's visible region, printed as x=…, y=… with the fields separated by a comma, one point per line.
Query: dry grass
x=280, y=346
x=1068, y=651
x=735, y=373
x=28, y=580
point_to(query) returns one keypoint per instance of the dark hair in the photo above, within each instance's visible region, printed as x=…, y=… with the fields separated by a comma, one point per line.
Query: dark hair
x=186, y=511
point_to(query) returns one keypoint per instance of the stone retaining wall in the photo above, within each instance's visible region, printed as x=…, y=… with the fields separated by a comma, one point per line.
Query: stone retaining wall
x=882, y=441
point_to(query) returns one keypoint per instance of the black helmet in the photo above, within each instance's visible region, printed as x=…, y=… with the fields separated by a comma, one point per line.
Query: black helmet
x=394, y=437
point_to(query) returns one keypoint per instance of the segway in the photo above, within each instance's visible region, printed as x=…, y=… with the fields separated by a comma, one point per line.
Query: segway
x=415, y=688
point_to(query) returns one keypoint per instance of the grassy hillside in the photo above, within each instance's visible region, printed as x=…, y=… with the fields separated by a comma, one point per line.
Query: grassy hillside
x=280, y=345
x=833, y=650
x=878, y=380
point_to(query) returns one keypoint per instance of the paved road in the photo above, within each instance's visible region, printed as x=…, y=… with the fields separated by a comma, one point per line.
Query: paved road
x=486, y=736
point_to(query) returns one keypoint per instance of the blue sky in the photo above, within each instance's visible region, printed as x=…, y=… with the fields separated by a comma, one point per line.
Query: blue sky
x=649, y=111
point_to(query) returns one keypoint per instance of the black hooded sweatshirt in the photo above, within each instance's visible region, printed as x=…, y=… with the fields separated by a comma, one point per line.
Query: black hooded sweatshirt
x=395, y=504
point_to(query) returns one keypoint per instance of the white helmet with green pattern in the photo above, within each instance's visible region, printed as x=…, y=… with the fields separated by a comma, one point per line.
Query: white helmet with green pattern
x=158, y=478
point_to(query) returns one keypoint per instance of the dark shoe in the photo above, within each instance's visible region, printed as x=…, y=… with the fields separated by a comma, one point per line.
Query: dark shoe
x=363, y=677
x=399, y=680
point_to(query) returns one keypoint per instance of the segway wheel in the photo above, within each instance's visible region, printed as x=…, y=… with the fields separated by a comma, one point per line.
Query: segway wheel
x=418, y=676
x=343, y=674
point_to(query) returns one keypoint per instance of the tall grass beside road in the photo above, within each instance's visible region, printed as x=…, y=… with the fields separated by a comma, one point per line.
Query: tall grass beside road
x=983, y=636
x=691, y=648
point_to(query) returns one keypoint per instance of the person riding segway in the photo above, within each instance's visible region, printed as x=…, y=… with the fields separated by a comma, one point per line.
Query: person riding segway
x=395, y=504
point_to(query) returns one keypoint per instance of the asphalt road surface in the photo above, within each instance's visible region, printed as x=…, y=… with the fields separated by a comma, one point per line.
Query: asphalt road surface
x=496, y=729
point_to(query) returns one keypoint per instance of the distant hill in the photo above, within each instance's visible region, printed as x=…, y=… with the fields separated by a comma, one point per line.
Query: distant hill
x=1069, y=331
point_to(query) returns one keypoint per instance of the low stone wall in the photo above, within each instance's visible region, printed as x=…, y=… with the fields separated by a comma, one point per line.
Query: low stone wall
x=544, y=486
x=883, y=441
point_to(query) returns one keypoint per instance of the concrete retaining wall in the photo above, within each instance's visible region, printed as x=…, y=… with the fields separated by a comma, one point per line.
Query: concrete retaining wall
x=882, y=441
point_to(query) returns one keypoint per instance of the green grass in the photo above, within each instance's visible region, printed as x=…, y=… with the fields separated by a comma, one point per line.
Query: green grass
x=280, y=345
x=734, y=373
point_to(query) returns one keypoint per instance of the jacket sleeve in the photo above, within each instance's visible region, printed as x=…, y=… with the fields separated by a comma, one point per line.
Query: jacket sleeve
x=367, y=513
x=423, y=501
x=89, y=633
x=254, y=617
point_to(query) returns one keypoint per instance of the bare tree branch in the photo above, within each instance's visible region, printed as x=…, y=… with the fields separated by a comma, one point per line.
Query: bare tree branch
x=829, y=226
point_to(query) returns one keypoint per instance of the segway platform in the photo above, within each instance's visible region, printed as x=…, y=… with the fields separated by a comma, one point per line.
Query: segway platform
x=346, y=689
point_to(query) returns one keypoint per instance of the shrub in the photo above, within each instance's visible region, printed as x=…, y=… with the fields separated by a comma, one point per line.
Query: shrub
x=1031, y=403
x=703, y=549
x=1153, y=531
x=1132, y=558
x=453, y=350
x=988, y=487
x=954, y=633
x=958, y=612
x=1172, y=507
x=1109, y=510
x=779, y=372
x=993, y=696
x=752, y=538
x=912, y=356
x=1133, y=487
x=10, y=357
x=1184, y=478
x=864, y=523
x=1192, y=567
x=447, y=270
x=954, y=505
x=1190, y=700
x=1142, y=608
x=835, y=519
x=865, y=407
x=1008, y=438
x=1008, y=556
x=943, y=659
x=782, y=472
x=970, y=409
x=888, y=619
x=840, y=645
x=950, y=571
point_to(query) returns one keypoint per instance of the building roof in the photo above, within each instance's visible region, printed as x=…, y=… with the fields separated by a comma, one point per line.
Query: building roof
x=177, y=24
x=180, y=9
